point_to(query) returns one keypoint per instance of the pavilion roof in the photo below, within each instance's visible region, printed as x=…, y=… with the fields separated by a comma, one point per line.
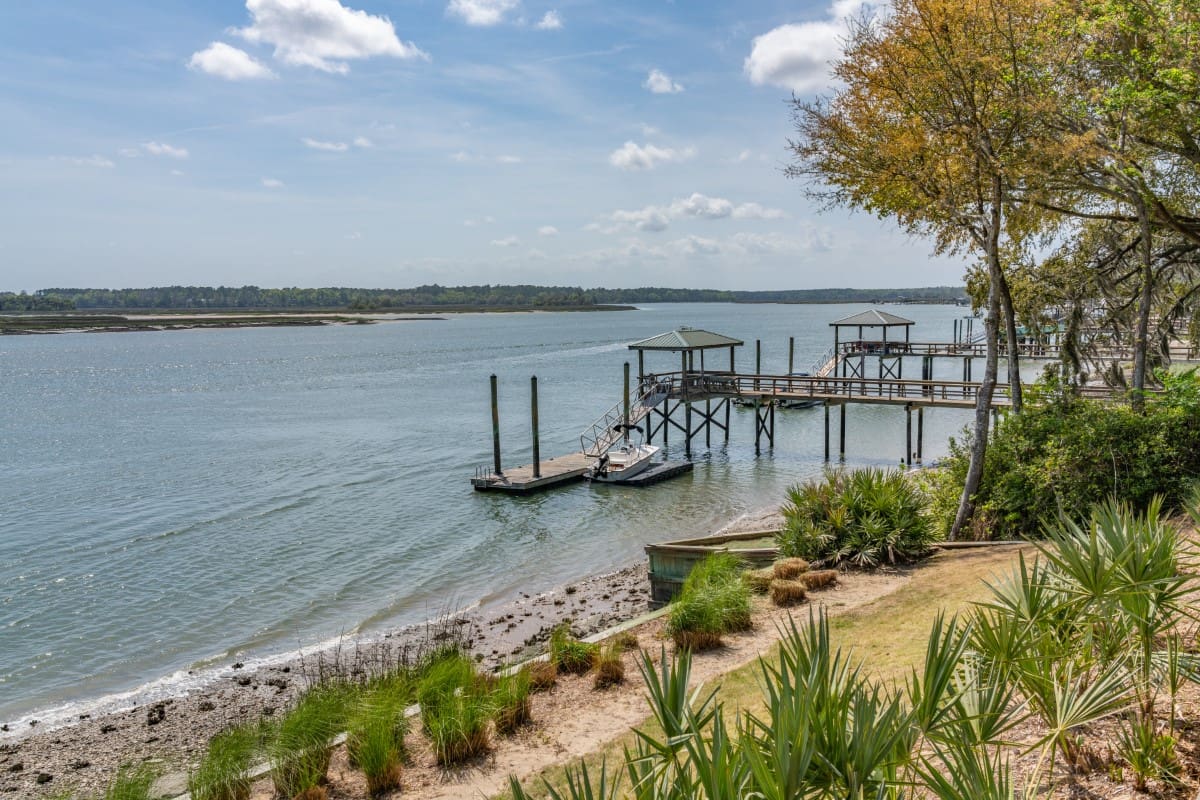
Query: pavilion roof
x=685, y=338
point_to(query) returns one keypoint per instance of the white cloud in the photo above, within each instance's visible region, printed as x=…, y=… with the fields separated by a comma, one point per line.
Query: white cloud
x=161, y=149
x=272, y=183
x=129, y=152
x=547, y=230
x=633, y=156
x=98, y=161
x=354, y=235
x=649, y=130
x=658, y=218
x=797, y=56
x=509, y=159
x=550, y=21
x=362, y=141
x=329, y=147
x=229, y=63
x=483, y=13
x=744, y=156
x=322, y=34
x=471, y=223
x=177, y=173
x=660, y=82
x=462, y=156
x=507, y=241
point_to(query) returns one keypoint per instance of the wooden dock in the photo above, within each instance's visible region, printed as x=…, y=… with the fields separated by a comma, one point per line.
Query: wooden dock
x=521, y=480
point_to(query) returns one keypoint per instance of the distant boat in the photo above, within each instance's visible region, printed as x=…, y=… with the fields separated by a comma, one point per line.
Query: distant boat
x=799, y=403
x=622, y=462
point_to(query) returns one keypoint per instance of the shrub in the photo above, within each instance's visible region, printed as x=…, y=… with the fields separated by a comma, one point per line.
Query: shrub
x=221, y=774
x=1067, y=453
x=299, y=746
x=569, y=654
x=513, y=708
x=456, y=707
x=375, y=734
x=819, y=578
x=788, y=568
x=865, y=517
x=610, y=669
x=714, y=600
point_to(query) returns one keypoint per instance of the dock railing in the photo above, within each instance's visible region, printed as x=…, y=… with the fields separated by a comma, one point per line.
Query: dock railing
x=609, y=429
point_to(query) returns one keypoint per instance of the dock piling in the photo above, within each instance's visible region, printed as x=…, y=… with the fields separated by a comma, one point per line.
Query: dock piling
x=826, y=430
x=791, y=355
x=533, y=418
x=908, y=443
x=842, y=432
x=920, y=431
x=626, y=396
x=496, y=426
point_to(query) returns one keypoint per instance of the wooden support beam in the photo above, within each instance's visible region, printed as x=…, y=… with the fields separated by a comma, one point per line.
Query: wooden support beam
x=920, y=431
x=533, y=413
x=908, y=448
x=842, y=433
x=827, y=430
x=496, y=427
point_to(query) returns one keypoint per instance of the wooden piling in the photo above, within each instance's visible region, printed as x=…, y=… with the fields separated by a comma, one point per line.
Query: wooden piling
x=920, y=431
x=496, y=426
x=791, y=355
x=533, y=413
x=908, y=448
x=626, y=396
x=842, y=433
x=827, y=430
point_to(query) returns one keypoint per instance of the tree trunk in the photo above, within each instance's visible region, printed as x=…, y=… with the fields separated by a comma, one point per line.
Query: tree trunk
x=983, y=401
x=1142, y=336
x=1014, y=352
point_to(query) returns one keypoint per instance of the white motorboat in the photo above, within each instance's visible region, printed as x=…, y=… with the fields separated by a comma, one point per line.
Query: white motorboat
x=622, y=462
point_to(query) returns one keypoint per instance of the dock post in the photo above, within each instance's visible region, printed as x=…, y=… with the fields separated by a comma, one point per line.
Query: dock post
x=707, y=418
x=727, y=405
x=908, y=448
x=496, y=427
x=626, y=396
x=757, y=361
x=827, y=430
x=920, y=431
x=842, y=433
x=533, y=412
x=791, y=355
x=757, y=426
x=687, y=430
x=771, y=435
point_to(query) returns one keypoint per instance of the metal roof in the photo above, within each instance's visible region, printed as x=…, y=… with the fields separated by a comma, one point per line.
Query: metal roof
x=686, y=339
x=873, y=318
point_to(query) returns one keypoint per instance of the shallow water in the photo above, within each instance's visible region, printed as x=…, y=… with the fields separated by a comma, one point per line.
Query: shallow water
x=176, y=499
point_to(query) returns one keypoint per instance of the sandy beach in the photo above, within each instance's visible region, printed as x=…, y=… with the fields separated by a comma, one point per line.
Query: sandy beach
x=171, y=733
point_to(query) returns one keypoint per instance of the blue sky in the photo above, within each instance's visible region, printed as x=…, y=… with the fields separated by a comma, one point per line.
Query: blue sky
x=390, y=143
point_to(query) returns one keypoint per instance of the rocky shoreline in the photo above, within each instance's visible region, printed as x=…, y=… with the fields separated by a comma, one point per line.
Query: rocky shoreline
x=170, y=734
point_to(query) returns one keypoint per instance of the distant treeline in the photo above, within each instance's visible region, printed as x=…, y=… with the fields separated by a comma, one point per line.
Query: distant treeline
x=253, y=297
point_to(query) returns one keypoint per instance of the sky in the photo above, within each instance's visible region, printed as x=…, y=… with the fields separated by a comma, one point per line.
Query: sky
x=392, y=143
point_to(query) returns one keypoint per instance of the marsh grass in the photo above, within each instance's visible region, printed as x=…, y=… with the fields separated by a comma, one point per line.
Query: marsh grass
x=714, y=600
x=456, y=709
x=819, y=578
x=542, y=675
x=789, y=568
x=569, y=654
x=222, y=773
x=300, y=745
x=759, y=580
x=131, y=783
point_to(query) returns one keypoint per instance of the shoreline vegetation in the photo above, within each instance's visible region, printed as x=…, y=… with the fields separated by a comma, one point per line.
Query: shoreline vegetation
x=432, y=298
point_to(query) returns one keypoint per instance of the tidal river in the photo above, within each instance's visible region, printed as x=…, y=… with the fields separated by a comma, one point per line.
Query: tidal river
x=178, y=499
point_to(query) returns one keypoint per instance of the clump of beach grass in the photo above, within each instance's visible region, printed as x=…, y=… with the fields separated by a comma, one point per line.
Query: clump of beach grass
x=714, y=600
x=375, y=733
x=511, y=694
x=819, y=578
x=787, y=592
x=300, y=745
x=456, y=708
x=569, y=654
x=789, y=568
x=131, y=783
x=759, y=580
x=222, y=773
x=542, y=675
x=610, y=668
x=626, y=640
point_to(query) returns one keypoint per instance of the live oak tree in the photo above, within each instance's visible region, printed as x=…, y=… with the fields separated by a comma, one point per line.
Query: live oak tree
x=934, y=123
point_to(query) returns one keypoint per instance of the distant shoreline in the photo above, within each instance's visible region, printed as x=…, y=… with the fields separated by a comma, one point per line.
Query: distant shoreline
x=33, y=323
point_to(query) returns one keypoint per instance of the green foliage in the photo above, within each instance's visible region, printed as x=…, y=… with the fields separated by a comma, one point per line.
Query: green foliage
x=131, y=783
x=511, y=695
x=299, y=746
x=221, y=774
x=865, y=517
x=569, y=654
x=375, y=733
x=1067, y=453
x=714, y=600
x=1150, y=755
x=456, y=706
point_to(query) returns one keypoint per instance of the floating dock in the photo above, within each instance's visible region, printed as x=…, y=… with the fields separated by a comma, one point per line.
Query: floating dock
x=658, y=472
x=521, y=480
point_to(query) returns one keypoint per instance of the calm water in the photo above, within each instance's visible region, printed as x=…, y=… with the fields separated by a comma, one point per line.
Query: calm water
x=174, y=500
